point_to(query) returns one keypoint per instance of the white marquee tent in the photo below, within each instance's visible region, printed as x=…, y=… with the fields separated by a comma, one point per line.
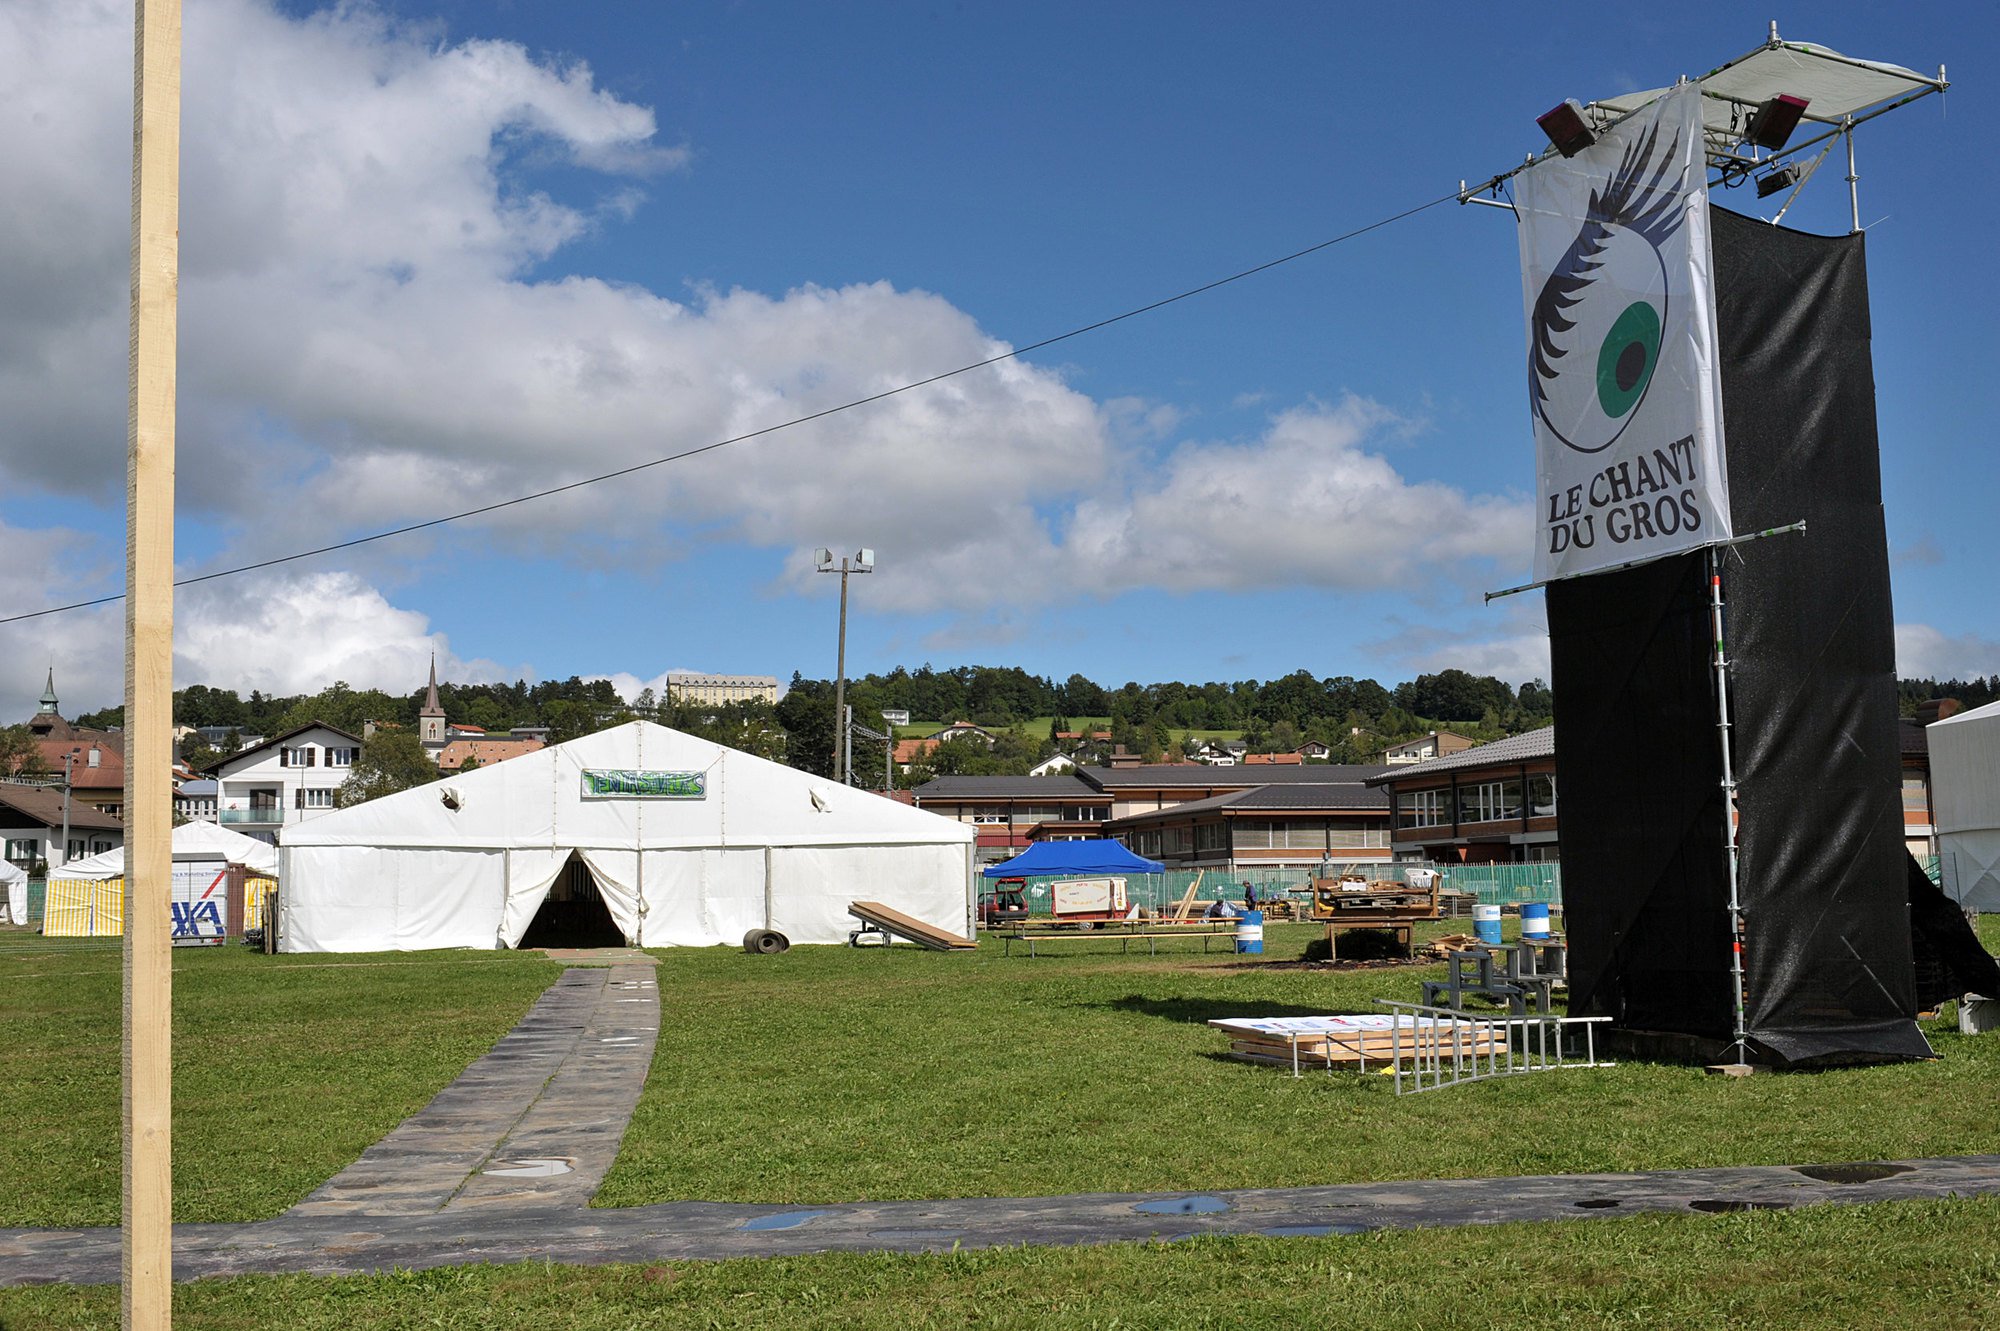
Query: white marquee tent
x=1965, y=791
x=192, y=841
x=689, y=844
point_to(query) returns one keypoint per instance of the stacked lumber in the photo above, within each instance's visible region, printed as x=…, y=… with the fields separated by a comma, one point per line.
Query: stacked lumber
x=1446, y=946
x=1351, y=1040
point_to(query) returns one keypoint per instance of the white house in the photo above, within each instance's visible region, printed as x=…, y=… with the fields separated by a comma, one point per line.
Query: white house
x=283, y=781
x=31, y=823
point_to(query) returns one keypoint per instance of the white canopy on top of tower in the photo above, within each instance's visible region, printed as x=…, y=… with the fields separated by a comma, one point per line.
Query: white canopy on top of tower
x=1835, y=87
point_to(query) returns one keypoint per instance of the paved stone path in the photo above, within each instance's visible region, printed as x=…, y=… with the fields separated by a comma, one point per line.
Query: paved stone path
x=500, y=1166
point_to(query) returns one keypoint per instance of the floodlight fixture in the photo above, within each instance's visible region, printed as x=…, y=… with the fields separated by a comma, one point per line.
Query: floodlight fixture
x=864, y=559
x=1775, y=182
x=1772, y=123
x=823, y=559
x=1565, y=126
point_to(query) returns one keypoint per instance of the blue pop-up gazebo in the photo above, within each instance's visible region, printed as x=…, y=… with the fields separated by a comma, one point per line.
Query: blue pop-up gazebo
x=1073, y=857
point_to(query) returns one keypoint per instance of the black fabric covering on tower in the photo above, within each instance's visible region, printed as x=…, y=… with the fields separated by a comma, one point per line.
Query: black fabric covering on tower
x=1645, y=872
x=1812, y=640
x=1950, y=958
x=1639, y=777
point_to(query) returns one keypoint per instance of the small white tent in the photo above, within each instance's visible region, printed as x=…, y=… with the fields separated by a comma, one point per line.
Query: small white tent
x=192, y=841
x=688, y=843
x=13, y=894
x=1965, y=791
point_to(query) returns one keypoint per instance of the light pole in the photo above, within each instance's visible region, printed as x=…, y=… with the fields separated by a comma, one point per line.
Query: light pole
x=68, y=758
x=862, y=562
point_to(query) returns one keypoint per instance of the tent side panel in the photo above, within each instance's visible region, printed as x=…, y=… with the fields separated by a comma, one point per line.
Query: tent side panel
x=530, y=874
x=1965, y=773
x=702, y=898
x=361, y=899
x=812, y=886
x=1969, y=865
x=616, y=873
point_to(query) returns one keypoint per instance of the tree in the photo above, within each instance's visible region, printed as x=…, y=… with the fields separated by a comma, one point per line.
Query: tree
x=19, y=755
x=391, y=760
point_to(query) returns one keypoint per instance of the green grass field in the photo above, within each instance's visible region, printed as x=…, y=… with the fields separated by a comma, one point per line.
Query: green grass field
x=831, y=1074
x=285, y=1068
x=1919, y=1266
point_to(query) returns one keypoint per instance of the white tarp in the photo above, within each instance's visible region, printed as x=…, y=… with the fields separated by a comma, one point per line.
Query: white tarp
x=192, y=841
x=13, y=894
x=1623, y=383
x=1965, y=798
x=689, y=844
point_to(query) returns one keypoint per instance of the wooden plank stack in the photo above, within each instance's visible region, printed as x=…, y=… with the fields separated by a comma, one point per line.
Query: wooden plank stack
x=1351, y=1041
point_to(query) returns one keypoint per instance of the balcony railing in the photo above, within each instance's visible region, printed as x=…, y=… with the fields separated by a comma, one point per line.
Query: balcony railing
x=268, y=817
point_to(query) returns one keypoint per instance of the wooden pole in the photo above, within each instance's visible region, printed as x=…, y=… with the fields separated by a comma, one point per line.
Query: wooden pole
x=149, y=646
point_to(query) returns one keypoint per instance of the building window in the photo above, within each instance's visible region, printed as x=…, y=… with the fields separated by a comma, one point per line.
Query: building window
x=1175, y=841
x=23, y=850
x=75, y=851
x=1542, y=795
x=98, y=847
x=1489, y=802
x=1358, y=838
x=313, y=799
x=1422, y=808
x=340, y=757
x=1917, y=796
x=1211, y=836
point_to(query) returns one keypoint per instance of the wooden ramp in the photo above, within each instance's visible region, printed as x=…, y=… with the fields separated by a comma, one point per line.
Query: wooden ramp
x=904, y=926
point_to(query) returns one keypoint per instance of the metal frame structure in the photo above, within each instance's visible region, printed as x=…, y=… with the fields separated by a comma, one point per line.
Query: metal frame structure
x=1734, y=159
x=1481, y=1048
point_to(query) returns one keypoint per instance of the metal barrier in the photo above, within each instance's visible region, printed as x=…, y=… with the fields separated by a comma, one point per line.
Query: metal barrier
x=1445, y=1047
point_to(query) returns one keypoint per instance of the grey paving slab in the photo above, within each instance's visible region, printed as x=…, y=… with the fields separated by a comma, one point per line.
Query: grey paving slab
x=347, y=1245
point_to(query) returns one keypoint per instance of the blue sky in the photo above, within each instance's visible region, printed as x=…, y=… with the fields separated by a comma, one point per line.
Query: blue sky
x=439, y=254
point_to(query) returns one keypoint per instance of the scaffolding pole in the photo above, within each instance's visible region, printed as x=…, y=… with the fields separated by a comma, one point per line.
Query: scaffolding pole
x=1740, y=1046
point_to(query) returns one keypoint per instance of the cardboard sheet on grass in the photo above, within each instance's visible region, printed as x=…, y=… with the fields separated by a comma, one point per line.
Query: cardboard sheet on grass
x=689, y=844
x=1360, y=1039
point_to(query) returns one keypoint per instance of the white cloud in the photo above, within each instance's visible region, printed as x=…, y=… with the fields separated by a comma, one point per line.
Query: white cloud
x=300, y=633
x=372, y=334
x=1519, y=652
x=1306, y=504
x=1923, y=652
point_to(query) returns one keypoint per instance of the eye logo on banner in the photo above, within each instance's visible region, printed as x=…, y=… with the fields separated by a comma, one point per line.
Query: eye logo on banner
x=1591, y=360
x=1622, y=375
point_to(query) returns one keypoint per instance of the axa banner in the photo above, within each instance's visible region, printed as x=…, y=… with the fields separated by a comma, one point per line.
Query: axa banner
x=1622, y=374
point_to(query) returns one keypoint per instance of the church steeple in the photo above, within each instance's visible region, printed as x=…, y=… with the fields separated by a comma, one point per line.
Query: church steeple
x=430, y=720
x=49, y=707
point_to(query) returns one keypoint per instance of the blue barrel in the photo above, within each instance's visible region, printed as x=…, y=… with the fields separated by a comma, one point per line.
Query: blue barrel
x=1486, y=923
x=1535, y=920
x=1250, y=932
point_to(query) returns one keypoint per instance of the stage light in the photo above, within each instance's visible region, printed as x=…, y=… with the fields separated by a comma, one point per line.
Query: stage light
x=1773, y=122
x=1782, y=179
x=1565, y=127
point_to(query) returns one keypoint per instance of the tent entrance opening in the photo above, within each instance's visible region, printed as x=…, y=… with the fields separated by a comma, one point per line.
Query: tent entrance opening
x=573, y=914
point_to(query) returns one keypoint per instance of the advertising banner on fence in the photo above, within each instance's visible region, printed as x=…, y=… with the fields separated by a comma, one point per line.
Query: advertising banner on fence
x=1623, y=381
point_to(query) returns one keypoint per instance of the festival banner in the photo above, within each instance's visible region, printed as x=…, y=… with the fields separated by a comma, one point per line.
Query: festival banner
x=1623, y=382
